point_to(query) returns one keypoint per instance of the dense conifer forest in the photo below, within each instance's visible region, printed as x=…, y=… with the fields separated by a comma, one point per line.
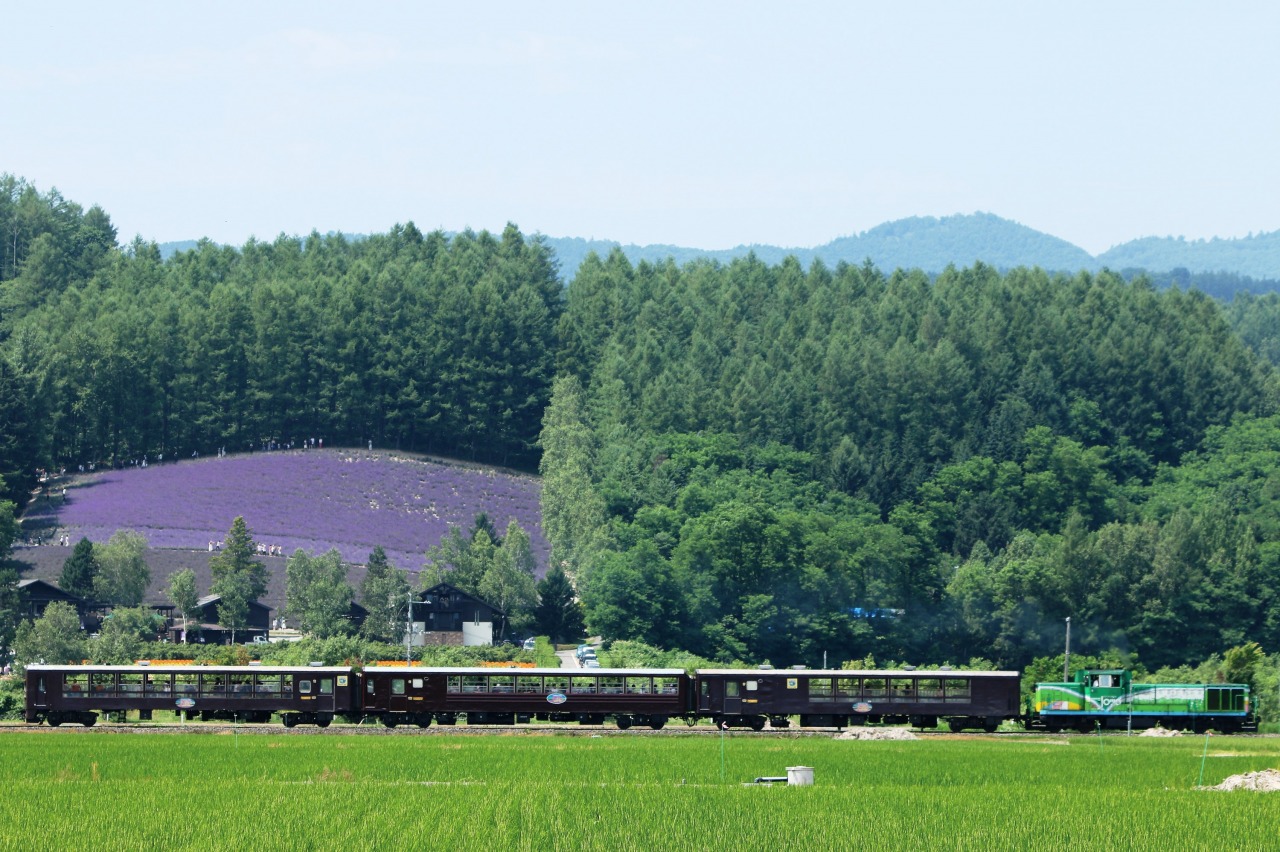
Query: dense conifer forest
x=742, y=459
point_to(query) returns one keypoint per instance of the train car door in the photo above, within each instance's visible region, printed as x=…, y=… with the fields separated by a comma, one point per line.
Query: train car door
x=733, y=690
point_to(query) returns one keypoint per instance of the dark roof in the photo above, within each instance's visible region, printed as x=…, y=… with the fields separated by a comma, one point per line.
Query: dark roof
x=45, y=563
x=210, y=599
x=35, y=584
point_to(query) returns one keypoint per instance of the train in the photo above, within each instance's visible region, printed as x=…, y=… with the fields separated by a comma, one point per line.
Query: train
x=403, y=695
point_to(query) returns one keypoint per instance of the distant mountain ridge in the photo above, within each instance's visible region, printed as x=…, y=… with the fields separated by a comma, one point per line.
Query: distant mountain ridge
x=933, y=243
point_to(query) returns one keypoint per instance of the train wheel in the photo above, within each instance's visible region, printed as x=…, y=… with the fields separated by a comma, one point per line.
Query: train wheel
x=323, y=722
x=657, y=722
x=955, y=725
x=54, y=720
x=389, y=721
x=757, y=723
x=624, y=722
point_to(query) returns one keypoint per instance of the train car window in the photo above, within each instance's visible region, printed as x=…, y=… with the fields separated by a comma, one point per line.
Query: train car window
x=186, y=684
x=417, y=683
x=130, y=683
x=40, y=684
x=397, y=686
x=368, y=686
x=454, y=684
x=213, y=684
x=751, y=685
x=558, y=683
x=874, y=687
x=730, y=689
x=286, y=684
x=268, y=685
x=241, y=685
x=528, y=685
x=820, y=689
x=474, y=683
x=504, y=684
x=929, y=689
x=902, y=687
x=304, y=687
x=610, y=686
x=75, y=685
x=158, y=683
x=666, y=686
x=641, y=686
x=957, y=688
x=582, y=685
x=848, y=687
x=103, y=683
x=326, y=686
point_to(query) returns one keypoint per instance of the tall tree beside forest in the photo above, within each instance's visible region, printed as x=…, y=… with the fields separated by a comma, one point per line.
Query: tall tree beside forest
x=10, y=602
x=384, y=594
x=573, y=513
x=80, y=570
x=238, y=578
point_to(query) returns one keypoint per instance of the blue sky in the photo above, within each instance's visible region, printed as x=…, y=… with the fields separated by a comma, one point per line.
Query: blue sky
x=707, y=125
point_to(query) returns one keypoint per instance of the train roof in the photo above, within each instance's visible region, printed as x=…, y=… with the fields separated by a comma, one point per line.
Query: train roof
x=492, y=670
x=859, y=672
x=190, y=668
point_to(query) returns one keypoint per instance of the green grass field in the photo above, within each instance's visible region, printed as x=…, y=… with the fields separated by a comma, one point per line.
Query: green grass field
x=71, y=789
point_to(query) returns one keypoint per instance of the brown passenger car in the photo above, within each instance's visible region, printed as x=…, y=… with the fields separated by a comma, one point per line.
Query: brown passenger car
x=839, y=698
x=506, y=696
x=77, y=694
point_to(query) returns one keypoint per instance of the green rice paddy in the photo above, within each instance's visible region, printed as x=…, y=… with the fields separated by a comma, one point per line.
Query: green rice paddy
x=73, y=789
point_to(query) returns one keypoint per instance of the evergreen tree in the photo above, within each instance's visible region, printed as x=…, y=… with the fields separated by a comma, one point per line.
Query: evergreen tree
x=558, y=614
x=80, y=570
x=383, y=593
x=238, y=578
x=10, y=602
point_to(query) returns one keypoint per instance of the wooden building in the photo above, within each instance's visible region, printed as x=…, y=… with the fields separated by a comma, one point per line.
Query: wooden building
x=446, y=615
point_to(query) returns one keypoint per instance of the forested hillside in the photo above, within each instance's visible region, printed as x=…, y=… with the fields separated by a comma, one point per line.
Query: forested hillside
x=747, y=460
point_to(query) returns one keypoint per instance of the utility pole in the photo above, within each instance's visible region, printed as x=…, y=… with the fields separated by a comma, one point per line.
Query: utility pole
x=1066, y=659
x=408, y=630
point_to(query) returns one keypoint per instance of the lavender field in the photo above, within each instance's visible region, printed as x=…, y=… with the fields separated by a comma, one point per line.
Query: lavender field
x=351, y=500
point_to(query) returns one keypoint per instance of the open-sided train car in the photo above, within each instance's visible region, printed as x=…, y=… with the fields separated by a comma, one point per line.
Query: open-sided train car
x=492, y=696
x=1108, y=698
x=840, y=698
x=78, y=694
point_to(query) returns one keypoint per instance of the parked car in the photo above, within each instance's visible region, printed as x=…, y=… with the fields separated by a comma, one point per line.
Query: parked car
x=529, y=644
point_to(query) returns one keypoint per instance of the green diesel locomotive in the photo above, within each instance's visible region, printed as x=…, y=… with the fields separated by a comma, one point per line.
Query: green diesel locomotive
x=1108, y=698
